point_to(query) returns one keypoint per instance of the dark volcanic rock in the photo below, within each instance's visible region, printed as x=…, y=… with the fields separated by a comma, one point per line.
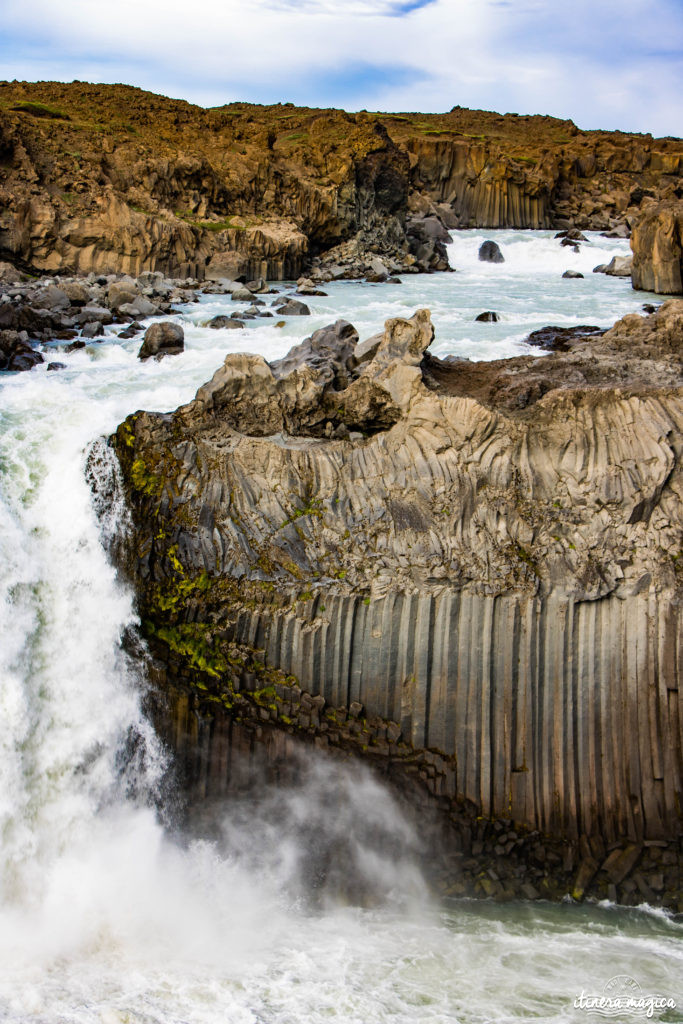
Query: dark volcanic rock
x=94, y=329
x=572, y=235
x=427, y=238
x=489, y=252
x=231, y=322
x=16, y=353
x=292, y=307
x=561, y=339
x=329, y=352
x=162, y=339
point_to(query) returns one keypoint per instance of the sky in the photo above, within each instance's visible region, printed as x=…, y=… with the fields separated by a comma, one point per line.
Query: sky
x=612, y=64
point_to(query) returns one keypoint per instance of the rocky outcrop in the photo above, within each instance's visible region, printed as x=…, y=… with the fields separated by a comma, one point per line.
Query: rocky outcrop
x=116, y=180
x=657, y=244
x=480, y=561
x=482, y=187
x=191, y=192
x=538, y=172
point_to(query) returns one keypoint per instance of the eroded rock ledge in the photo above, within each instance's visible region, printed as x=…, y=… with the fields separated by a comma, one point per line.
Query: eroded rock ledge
x=478, y=564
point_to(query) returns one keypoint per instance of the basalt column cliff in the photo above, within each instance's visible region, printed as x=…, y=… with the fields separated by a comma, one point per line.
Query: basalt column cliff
x=112, y=179
x=470, y=570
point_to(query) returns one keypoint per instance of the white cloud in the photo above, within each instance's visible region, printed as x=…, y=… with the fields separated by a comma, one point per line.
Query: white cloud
x=611, y=64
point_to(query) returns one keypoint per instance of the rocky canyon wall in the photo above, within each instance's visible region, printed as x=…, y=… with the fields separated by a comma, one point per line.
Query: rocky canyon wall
x=112, y=179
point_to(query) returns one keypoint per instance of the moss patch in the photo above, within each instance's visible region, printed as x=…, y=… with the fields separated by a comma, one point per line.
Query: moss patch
x=40, y=110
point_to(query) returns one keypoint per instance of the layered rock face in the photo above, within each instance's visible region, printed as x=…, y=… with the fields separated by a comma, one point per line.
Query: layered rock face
x=657, y=244
x=478, y=563
x=110, y=179
x=537, y=172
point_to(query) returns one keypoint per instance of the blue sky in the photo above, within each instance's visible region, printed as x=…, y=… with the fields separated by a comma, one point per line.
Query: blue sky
x=605, y=64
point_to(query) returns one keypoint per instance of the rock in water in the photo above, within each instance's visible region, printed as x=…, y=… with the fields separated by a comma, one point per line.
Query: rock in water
x=221, y=321
x=162, y=339
x=489, y=252
x=618, y=266
x=292, y=307
x=94, y=329
x=16, y=353
x=573, y=235
x=488, y=317
x=304, y=286
x=451, y=536
x=572, y=274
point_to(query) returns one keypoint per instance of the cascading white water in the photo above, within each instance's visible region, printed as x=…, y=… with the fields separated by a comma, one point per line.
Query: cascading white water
x=105, y=916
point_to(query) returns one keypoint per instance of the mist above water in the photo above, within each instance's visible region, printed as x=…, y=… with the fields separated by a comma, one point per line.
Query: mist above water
x=306, y=904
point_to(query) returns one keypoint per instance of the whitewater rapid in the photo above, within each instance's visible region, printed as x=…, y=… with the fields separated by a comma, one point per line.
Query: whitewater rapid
x=107, y=914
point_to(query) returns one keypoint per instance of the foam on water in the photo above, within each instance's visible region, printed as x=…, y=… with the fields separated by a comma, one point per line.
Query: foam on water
x=106, y=915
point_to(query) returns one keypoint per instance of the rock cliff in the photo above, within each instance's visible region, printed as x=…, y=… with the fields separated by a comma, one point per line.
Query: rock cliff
x=657, y=244
x=472, y=570
x=113, y=179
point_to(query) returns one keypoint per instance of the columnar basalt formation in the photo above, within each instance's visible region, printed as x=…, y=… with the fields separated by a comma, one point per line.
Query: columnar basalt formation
x=657, y=244
x=481, y=559
x=112, y=179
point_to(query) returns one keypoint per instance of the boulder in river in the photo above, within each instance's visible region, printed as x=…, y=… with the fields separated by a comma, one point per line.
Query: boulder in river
x=292, y=307
x=123, y=292
x=618, y=266
x=305, y=286
x=571, y=235
x=162, y=339
x=489, y=252
x=16, y=353
x=221, y=321
x=93, y=329
x=50, y=297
